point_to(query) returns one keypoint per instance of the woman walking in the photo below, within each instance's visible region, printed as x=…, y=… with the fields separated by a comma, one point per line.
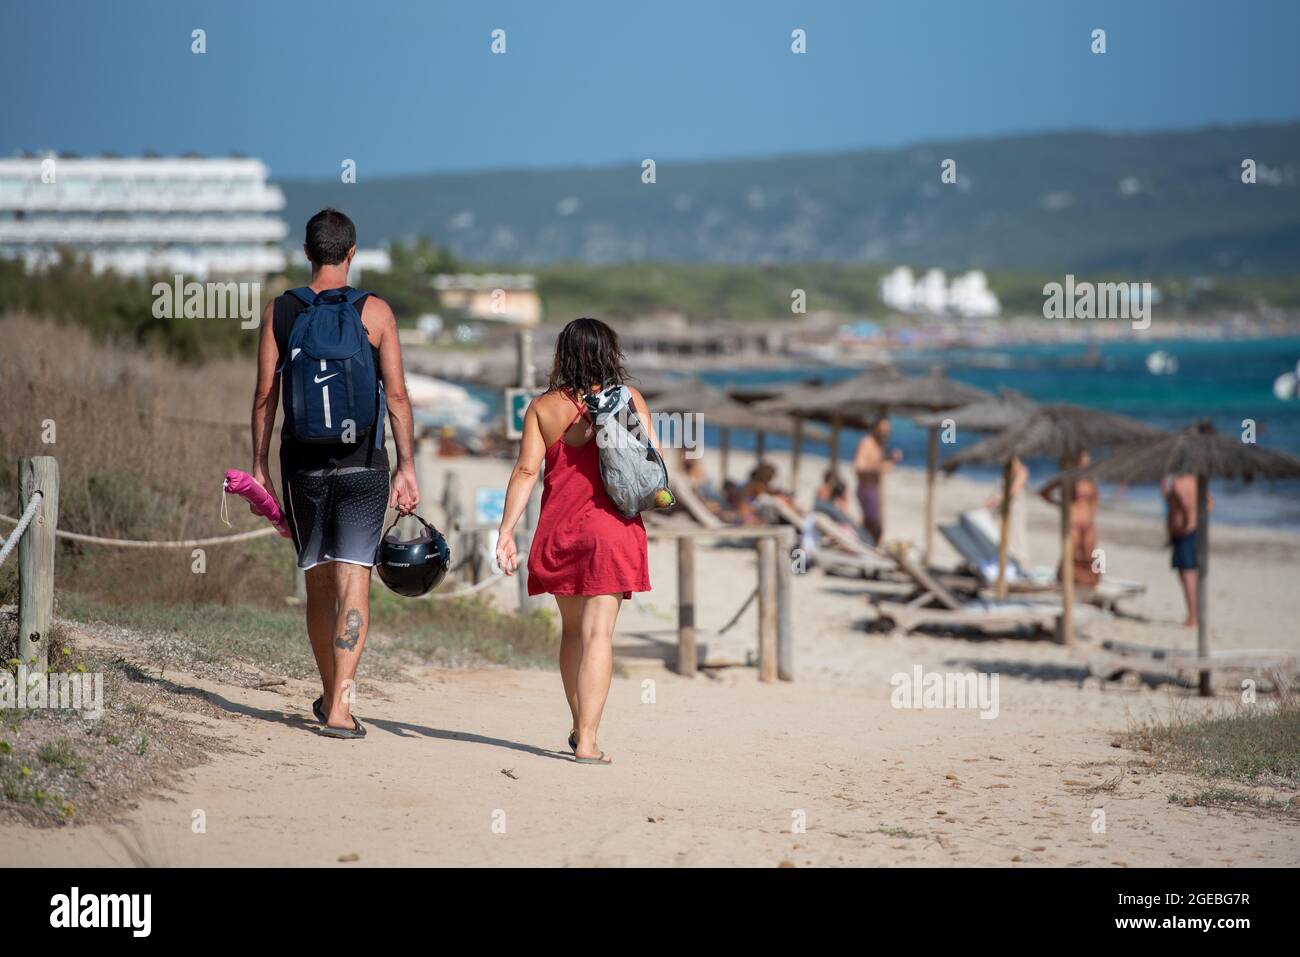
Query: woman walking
x=584, y=552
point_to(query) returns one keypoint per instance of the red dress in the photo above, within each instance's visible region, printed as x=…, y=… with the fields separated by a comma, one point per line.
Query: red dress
x=582, y=545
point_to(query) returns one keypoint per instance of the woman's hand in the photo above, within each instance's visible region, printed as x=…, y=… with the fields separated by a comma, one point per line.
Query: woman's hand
x=507, y=556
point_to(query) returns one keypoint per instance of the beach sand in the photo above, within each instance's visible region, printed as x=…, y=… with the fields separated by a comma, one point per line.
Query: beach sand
x=724, y=770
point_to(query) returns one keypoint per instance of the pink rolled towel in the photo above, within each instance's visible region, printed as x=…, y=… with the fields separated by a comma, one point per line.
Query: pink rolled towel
x=243, y=484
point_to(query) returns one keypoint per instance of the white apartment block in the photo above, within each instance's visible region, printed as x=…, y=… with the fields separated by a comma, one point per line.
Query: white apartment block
x=155, y=216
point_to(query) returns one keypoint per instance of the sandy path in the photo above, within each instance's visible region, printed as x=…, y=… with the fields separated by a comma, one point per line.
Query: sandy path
x=722, y=766
x=718, y=770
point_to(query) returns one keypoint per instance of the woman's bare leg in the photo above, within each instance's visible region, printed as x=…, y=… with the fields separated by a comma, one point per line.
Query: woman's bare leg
x=595, y=667
x=571, y=648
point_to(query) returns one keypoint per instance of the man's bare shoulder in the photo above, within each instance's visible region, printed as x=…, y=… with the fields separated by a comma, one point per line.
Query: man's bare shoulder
x=377, y=309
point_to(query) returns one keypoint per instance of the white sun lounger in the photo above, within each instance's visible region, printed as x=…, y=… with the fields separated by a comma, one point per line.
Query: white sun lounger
x=937, y=606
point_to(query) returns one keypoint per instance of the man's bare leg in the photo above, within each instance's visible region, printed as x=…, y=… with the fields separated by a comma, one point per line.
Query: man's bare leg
x=1187, y=576
x=353, y=589
x=322, y=611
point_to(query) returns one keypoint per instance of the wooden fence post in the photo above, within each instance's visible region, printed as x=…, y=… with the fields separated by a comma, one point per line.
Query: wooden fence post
x=1065, y=623
x=686, y=654
x=767, y=608
x=931, y=467
x=36, y=559
x=784, y=615
x=454, y=512
x=1202, y=585
x=796, y=450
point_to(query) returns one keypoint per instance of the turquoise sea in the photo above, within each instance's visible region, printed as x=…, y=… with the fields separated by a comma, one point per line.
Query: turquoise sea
x=1226, y=382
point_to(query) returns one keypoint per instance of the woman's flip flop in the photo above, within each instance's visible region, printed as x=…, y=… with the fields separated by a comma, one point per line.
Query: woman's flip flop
x=357, y=731
x=573, y=741
x=599, y=760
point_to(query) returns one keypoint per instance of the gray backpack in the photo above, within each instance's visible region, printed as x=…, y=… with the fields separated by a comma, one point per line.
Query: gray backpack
x=633, y=471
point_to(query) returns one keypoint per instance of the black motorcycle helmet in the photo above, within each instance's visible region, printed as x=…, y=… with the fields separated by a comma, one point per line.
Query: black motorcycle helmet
x=415, y=567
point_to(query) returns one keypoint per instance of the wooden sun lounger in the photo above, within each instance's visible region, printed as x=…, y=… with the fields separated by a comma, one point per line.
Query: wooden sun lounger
x=689, y=498
x=970, y=541
x=936, y=605
x=855, y=553
x=1114, y=658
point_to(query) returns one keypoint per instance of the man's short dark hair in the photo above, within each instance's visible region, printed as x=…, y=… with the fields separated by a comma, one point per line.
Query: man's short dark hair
x=330, y=235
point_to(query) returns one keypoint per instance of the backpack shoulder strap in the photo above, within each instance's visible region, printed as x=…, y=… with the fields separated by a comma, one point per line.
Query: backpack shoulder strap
x=305, y=293
x=356, y=295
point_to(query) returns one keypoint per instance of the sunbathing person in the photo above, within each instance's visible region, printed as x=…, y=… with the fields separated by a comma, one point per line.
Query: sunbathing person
x=833, y=502
x=1084, y=500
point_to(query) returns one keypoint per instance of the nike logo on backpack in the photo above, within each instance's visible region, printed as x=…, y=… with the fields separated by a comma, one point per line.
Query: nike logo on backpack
x=319, y=379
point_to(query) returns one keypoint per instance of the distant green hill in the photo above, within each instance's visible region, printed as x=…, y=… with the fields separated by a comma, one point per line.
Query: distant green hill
x=1152, y=203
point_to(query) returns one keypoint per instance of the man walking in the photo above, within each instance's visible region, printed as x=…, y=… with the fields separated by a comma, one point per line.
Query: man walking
x=332, y=352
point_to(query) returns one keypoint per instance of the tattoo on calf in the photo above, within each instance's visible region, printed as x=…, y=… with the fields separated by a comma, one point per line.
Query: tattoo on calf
x=351, y=631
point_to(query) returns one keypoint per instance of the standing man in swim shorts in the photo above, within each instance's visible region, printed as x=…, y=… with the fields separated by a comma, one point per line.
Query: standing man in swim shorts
x=335, y=492
x=872, y=462
x=1180, y=520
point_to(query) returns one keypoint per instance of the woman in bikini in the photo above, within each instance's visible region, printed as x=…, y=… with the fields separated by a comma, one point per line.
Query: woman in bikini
x=1085, y=498
x=584, y=552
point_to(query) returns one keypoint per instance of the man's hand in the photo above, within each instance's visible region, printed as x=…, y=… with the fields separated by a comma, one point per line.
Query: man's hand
x=405, y=496
x=262, y=477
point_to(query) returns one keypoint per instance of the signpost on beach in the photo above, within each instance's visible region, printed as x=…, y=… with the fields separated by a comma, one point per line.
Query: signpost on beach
x=516, y=404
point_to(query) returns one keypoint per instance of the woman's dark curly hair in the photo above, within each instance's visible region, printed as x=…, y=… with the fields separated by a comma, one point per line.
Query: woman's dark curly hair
x=586, y=354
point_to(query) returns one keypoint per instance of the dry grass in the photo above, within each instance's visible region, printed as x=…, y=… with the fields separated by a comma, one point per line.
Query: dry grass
x=142, y=443
x=1257, y=746
x=59, y=767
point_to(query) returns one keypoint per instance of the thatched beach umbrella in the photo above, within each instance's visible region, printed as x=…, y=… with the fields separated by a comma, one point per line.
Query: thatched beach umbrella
x=992, y=414
x=844, y=403
x=1062, y=432
x=719, y=409
x=927, y=393
x=877, y=392
x=1201, y=451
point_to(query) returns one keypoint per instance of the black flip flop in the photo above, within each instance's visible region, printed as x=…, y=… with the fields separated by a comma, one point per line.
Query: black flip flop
x=573, y=741
x=318, y=709
x=355, y=733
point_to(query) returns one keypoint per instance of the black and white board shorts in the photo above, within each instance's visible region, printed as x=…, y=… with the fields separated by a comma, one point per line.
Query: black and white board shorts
x=337, y=514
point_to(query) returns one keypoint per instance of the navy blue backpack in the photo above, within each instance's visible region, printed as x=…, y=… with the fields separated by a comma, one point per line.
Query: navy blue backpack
x=332, y=390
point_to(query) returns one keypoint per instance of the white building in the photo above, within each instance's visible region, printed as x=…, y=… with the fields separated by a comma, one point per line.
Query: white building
x=967, y=296
x=196, y=216
x=492, y=297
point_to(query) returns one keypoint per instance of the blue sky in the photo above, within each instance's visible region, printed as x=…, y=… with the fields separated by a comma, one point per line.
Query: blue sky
x=408, y=87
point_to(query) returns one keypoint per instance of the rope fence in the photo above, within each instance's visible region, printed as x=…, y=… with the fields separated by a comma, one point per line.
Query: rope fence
x=32, y=508
x=34, y=505
x=138, y=543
